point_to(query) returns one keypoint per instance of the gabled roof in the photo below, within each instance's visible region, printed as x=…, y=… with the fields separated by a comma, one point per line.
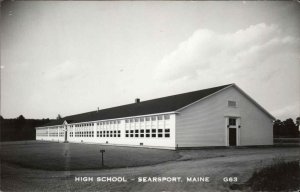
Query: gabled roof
x=159, y=105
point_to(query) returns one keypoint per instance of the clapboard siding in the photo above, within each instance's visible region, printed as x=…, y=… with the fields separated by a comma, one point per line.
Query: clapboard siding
x=204, y=123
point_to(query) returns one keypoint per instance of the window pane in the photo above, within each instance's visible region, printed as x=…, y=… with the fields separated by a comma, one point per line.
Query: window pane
x=231, y=104
x=232, y=121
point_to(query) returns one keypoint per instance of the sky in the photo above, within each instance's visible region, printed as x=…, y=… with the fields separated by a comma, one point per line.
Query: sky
x=69, y=57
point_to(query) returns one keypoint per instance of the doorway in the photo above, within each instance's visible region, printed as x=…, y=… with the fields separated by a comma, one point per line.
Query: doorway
x=233, y=131
x=232, y=137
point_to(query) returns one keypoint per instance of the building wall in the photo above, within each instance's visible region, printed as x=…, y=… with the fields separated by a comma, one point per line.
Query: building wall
x=93, y=132
x=53, y=133
x=205, y=123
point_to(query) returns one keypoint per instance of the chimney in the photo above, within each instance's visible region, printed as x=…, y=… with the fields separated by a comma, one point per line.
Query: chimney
x=137, y=100
x=98, y=109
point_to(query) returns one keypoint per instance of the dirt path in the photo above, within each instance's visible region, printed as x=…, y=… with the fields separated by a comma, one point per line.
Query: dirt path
x=216, y=165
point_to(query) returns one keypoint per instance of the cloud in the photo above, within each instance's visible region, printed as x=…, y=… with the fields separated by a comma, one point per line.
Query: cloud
x=207, y=52
x=261, y=59
x=66, y=70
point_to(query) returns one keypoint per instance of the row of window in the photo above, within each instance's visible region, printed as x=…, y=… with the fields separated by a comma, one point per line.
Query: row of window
x=152, y=118
x=109, y=133
x=148, y=133
x=99, y=123
x=109, y=122
x=159, y=133
x=83, y=125
x=82, y=134
x=53, y=134
x=112, y=122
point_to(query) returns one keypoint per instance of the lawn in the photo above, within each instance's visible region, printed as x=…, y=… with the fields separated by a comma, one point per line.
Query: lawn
x=72, y=156
x=280, y=176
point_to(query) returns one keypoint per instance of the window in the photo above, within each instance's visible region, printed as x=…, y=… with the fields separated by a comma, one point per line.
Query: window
x=142, y=119
x=147, y=130
x=147, y=135
x=167, y=133
x=231, y=104
x=153, y=130
x=232, y=121
x=147, y=118
x=167, y=117
x=136, y=131
x=160, y=117
x=142, y=130
x=153, y=118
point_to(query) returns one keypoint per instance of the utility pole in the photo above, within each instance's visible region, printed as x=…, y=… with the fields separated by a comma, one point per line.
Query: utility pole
x=102, y=151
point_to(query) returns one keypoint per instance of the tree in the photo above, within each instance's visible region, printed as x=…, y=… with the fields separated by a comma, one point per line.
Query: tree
x=298, y=121
x=58, y=116
x=290, y=128
x=21, y=118
x=277, y=128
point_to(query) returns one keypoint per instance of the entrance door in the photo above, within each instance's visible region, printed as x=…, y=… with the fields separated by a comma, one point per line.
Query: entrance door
x=232, y=131
x=232, y=136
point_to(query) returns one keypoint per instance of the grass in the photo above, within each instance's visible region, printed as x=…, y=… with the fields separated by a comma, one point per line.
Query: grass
x=280, y=176
x=71, y=156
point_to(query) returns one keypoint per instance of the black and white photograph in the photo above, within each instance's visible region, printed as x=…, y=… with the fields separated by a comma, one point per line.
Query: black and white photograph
x=150, y=96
